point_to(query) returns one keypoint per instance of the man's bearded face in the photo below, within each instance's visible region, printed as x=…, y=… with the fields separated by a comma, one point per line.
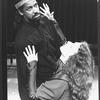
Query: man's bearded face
x=31, y=10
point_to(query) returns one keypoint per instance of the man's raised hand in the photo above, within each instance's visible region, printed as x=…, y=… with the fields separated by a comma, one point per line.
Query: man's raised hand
x=46, y=12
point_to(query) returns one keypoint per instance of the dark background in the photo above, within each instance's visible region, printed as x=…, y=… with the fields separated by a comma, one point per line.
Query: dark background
x=77, y=18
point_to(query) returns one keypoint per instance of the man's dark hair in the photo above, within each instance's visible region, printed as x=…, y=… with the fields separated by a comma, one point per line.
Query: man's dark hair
x=18, y=18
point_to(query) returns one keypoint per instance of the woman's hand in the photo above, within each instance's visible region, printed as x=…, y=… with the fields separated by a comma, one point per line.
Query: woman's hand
x=30, y=54
x=46, y=12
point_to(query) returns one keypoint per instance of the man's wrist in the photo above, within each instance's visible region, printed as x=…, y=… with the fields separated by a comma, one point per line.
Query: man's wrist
x=53, y=21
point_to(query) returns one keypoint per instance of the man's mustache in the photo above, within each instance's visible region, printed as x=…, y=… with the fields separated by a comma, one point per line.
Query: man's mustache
x=36, y=14
x=35, y=18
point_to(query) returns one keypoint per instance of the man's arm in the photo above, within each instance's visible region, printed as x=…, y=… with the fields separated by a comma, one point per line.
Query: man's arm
x=46, y=12
x=60, y=33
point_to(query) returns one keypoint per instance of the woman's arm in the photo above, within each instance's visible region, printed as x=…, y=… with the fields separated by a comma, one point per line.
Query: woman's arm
x=32, y=79
x=32, y=59
x=51, y=90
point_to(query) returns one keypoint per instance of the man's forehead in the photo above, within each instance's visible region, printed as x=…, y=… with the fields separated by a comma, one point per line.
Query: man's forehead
x=31, y=2
x=22, y=2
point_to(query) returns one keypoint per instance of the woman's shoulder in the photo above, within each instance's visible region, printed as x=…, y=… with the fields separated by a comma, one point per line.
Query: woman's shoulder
x=53, y=88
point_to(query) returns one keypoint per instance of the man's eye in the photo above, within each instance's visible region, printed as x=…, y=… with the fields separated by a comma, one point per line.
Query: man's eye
x=29, y=8
x=35, y=5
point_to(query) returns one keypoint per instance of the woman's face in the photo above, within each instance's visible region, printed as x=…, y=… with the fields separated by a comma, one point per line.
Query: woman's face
x=70, y=48
x=31, y=9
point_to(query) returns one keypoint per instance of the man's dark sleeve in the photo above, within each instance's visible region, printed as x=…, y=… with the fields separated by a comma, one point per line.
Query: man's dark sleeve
x=59, y=32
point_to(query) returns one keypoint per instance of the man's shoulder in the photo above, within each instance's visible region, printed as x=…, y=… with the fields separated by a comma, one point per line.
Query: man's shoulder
x=28, y=34
x=26, y=30
x=25, y=27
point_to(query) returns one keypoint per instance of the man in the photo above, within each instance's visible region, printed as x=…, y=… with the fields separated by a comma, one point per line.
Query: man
x=40, y=29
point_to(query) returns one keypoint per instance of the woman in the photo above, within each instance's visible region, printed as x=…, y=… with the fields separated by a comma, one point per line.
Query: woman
x=72, y=80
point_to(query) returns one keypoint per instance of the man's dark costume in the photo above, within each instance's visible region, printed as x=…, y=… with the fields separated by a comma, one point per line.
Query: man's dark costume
x=47, y=38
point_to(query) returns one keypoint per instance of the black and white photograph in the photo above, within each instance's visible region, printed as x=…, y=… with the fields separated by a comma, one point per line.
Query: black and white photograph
x=50, y=49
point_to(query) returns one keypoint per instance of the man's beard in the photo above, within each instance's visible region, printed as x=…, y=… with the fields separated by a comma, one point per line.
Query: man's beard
x=36, y=17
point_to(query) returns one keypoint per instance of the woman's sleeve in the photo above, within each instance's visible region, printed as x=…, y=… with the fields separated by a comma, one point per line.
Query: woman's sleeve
x=51, y=90
x=32, y=66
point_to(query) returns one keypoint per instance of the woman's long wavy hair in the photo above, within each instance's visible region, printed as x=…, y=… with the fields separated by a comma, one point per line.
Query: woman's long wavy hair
x=80, y=67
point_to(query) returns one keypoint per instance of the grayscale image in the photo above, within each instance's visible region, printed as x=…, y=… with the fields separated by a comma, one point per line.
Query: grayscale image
x=52, y=49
